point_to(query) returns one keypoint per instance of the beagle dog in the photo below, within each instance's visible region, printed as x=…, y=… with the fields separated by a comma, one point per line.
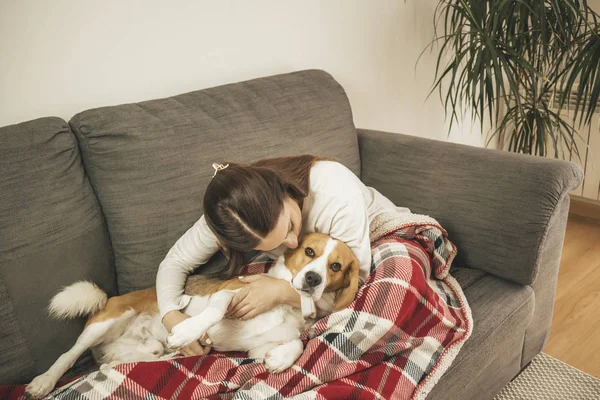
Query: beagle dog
x=128, y=328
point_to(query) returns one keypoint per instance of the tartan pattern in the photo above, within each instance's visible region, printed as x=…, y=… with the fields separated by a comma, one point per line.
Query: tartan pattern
x=393, y=342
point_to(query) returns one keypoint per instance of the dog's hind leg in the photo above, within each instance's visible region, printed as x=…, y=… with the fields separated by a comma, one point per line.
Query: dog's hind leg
x=91, y=336
x=262, y=350
x=193, y=328
x=283, y=356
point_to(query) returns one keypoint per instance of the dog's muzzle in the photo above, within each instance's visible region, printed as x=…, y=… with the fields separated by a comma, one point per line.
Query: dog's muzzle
x=312, y=280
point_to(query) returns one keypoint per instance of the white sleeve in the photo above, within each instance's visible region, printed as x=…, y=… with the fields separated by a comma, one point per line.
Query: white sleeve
x=351, y=225
x=195, y=247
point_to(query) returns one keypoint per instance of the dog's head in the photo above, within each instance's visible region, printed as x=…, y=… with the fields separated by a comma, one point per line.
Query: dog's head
x=322, y=264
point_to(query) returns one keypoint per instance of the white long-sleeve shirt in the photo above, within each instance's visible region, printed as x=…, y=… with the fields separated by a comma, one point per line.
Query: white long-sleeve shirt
x=337, y=204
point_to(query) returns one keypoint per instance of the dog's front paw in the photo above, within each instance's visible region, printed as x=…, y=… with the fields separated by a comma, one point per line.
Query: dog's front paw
x=279, y=358
x=40, y=386
x=183, y=334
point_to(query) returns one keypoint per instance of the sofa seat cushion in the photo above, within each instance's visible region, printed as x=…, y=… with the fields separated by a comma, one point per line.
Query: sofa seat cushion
x=501, y=311
x=150, y=162
x=466, y=276
x=52, y=233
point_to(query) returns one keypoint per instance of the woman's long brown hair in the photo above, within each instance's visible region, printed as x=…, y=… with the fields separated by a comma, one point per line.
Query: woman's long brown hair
x=243, y=203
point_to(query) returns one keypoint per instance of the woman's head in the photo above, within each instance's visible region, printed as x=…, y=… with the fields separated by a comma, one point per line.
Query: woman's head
x=257, y=207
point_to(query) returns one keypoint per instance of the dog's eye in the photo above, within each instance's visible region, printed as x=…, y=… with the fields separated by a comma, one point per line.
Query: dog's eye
x=335, y=267
x=309, y=252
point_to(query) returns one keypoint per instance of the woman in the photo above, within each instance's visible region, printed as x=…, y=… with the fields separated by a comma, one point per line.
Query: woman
x=267, y=206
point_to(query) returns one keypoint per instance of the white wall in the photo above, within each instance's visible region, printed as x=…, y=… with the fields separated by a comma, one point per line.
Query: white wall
x=63, y=56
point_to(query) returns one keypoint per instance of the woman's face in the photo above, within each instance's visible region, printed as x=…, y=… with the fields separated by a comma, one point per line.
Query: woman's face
x=287, y=229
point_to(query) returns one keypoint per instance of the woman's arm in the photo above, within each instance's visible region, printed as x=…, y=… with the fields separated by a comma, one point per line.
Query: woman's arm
x=350, y=225
x=262, y=294
x=195, y=247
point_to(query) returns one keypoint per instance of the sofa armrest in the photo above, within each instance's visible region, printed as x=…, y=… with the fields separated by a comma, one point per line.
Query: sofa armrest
x=495, y=205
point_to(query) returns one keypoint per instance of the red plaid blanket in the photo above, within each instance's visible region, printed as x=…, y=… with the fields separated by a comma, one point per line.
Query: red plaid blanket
x=405, y=327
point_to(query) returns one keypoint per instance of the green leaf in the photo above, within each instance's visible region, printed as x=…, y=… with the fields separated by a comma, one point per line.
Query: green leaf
x=518, y=53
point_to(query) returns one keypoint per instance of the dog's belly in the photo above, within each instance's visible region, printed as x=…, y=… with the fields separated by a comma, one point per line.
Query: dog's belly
x=281, y=324
x=141, y=338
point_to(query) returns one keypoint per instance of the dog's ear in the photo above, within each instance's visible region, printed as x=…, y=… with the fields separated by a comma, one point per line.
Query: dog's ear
x=346, y=295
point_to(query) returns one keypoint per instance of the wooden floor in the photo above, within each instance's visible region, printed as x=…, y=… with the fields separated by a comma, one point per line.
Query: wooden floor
x=575, y=335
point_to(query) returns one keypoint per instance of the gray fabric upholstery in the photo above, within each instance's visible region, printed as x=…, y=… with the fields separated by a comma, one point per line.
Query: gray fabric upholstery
x=506, y=213
x=466, y=276
x=501, y=311
x=150, y=162
x=503, y=365
x=545, y=284
x=52, y=233
x=496, y=205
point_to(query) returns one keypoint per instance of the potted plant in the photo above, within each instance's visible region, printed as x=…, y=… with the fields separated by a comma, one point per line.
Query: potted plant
x=530, y=67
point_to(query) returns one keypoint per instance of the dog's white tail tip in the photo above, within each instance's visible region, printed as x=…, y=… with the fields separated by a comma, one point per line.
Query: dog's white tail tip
x=77, y=300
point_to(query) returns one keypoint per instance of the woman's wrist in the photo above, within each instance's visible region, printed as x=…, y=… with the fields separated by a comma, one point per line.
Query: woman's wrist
x=292, y=297
x=172, y=318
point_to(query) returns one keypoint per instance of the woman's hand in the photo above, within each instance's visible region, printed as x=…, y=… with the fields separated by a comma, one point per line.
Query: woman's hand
x=173, y=318
x=260, y=294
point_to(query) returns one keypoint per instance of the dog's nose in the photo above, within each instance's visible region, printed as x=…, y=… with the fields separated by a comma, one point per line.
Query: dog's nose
x=312, y=279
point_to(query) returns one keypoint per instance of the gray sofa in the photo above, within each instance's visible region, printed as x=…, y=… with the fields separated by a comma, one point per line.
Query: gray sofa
x=104, y=196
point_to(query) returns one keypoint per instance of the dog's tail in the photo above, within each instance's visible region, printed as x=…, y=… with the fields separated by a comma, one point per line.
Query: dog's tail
x=77, y=300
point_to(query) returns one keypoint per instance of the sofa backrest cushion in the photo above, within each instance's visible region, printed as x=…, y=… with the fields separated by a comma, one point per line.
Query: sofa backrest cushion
x=150, y=162
x=52, y=233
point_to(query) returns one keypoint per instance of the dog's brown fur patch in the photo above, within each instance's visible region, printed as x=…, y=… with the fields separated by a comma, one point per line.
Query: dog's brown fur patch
x=145, y=301
x=140, y=301
x=199, y=285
